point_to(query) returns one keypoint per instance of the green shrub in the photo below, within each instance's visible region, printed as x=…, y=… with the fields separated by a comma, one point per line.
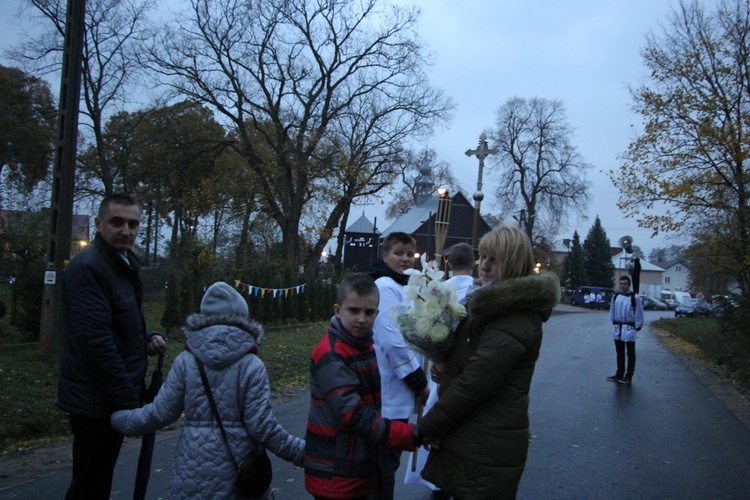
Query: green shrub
x=722, y=341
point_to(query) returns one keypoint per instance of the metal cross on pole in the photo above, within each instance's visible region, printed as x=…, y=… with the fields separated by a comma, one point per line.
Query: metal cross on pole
x=482, y=152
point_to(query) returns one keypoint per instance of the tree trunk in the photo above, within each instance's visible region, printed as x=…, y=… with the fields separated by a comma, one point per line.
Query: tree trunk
x=149, y=232
x=175, y=231
x=242, y=243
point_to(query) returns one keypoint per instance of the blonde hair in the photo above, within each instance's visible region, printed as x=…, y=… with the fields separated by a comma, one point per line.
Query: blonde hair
x=512, y=251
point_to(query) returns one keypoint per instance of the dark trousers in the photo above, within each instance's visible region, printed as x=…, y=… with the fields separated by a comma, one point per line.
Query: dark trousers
x=620, y=348
x=388, y=462
x=96, y=446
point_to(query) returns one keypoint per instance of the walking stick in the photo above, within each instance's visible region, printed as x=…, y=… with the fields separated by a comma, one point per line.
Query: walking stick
x=143, y=471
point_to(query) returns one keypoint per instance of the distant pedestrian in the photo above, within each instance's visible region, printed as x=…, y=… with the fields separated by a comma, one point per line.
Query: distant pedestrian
x=587, y=300
x=626, y=315
x=598, y=301
x=345, y=427
x=105, y=344
x=224, y=339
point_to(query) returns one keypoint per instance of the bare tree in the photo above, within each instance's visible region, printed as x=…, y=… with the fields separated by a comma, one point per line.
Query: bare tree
x=363, y=161
x=410, y=165
x=666, y=254
x=288, y=71
x=114, y=28
x=541, y=174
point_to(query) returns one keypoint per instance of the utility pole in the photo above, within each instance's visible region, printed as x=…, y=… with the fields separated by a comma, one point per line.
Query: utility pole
x=61, y=206
x=482, y=152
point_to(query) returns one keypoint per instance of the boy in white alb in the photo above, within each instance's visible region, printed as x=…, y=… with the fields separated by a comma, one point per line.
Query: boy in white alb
x=626, y=315
x=402, y=379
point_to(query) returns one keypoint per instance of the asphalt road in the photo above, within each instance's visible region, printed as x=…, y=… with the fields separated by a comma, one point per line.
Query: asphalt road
x=666, y=436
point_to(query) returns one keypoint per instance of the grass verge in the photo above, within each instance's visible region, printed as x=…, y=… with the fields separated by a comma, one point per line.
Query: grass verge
x=28, y=381
x=28, y=391
x=706, y=338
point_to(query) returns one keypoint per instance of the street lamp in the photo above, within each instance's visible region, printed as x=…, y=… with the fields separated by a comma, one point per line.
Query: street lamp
x=442, y=221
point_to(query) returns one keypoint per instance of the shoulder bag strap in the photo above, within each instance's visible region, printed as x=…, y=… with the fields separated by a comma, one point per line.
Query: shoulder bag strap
x=215, y=410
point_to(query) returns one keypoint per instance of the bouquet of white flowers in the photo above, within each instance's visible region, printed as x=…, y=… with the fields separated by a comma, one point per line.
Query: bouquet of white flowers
x=435, y=309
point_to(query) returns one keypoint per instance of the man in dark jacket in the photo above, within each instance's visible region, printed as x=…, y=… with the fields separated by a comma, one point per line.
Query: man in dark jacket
x=103, y=361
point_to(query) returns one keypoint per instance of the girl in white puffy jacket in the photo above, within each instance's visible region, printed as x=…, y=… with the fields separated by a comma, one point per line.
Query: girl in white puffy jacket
x=226, y=341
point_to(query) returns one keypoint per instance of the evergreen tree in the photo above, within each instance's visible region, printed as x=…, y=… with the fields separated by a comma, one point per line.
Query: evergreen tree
x=596, y=252
x=574, y=273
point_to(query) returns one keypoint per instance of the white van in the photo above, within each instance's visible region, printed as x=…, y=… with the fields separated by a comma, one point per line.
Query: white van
x=678, y=296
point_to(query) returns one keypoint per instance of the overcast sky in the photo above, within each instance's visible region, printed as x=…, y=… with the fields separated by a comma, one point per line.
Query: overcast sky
x=582, y=52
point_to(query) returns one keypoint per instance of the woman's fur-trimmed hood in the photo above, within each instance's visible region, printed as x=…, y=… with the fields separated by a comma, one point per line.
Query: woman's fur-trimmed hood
x=220, y=340
x=536, y=292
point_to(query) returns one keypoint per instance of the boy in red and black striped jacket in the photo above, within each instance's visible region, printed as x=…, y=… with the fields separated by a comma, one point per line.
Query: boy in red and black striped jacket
x=344, y=427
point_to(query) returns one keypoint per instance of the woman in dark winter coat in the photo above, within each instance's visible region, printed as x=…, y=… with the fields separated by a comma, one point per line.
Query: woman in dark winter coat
x=225, y=340
x=479, y=426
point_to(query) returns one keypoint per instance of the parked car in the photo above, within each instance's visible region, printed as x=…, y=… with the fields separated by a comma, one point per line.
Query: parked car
x=692, y=308
x=604, y=293
x=671, y=303
x=653, y=304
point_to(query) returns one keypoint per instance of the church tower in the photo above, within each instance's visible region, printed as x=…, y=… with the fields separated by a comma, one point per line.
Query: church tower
x=425, y=187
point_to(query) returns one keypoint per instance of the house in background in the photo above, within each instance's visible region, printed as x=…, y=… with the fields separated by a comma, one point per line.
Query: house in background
x=676, y=275
x=560, y=252
x=650, y=277
x=34, y=226
x=24, y=237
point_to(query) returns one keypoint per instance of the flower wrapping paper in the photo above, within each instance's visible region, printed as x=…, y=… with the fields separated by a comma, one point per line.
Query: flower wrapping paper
x=428, y=325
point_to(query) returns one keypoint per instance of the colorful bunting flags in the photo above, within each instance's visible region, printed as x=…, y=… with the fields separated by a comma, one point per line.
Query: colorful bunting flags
x=263, y=291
